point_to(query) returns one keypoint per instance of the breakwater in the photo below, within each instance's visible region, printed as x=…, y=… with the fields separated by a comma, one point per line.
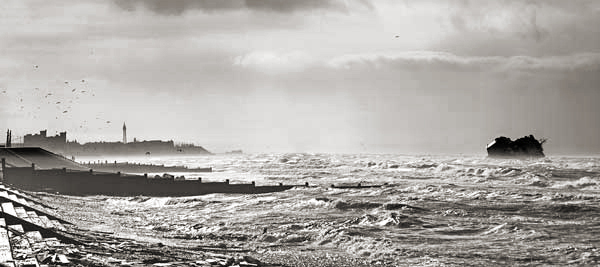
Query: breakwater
x=128, y=167
x=21, y=169
x=75, y=182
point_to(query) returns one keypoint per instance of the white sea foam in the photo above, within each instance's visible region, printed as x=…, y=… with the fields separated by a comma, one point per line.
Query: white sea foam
x=470, y=206
x=588, y=183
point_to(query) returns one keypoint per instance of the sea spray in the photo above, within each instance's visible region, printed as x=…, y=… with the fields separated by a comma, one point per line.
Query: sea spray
x=438, y=209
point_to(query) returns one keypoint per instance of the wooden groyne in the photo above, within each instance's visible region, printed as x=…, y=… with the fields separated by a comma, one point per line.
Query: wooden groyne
x=128, y=167
x=75, y=182
x=60, y=175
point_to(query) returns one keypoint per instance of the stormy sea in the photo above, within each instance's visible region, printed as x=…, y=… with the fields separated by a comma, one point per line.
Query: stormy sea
x=421, y=210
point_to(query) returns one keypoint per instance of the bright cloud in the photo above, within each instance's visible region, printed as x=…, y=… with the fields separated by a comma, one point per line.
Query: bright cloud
x=275, y=62
x=423, y=60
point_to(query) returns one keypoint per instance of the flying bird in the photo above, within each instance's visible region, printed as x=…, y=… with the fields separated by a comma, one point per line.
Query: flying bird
x=107, y=121
x=58, y=102
x=65, y=111
x=73, y=89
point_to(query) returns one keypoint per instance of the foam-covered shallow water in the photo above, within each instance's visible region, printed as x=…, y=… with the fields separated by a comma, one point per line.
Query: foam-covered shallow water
x=431, y=210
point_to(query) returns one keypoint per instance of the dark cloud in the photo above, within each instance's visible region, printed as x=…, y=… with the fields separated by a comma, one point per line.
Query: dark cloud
x=475, y=17
x=290, y=6
x=523, y=27
x=178, y=7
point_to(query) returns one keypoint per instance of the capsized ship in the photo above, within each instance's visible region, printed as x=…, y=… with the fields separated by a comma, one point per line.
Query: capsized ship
x=527, y=146
x=36, y=169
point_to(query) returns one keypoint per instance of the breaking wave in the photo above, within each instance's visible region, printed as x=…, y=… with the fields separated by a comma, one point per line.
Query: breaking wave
x=449, y=208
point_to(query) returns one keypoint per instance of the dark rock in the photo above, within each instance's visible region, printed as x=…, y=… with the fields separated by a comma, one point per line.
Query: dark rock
x=566, y=208
x=356, y=205
x=155, y=260
x=229, y=262
x=526, y=146
x=396, y=206
x=251, y=260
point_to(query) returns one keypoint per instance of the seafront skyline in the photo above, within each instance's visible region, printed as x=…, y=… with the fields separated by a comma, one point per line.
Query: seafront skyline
x=305, y=76
x=61, y=145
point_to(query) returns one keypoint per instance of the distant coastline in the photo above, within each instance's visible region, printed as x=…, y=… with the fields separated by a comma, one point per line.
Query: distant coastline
x=59, y=144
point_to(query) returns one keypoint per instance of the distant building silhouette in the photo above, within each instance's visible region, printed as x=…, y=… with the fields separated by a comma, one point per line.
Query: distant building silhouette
x=52, y=143
x=8, y=139
x=59, y=144
x=124, y=133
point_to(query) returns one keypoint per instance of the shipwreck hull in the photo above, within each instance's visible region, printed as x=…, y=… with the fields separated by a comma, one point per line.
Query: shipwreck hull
x=525, y=147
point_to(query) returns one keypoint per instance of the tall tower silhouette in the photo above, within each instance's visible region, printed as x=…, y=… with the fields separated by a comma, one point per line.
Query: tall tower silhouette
x=124, y=133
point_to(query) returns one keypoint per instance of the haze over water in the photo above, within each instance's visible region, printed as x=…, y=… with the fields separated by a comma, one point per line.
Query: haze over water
x=433, y=210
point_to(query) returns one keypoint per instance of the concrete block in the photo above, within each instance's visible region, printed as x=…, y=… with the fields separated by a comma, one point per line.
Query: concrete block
x=33, y=217
x=7, y=207
x=21, y=213
x=5, y=249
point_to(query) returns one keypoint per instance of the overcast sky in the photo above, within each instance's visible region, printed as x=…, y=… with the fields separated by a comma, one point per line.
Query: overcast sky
x=305, y=76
